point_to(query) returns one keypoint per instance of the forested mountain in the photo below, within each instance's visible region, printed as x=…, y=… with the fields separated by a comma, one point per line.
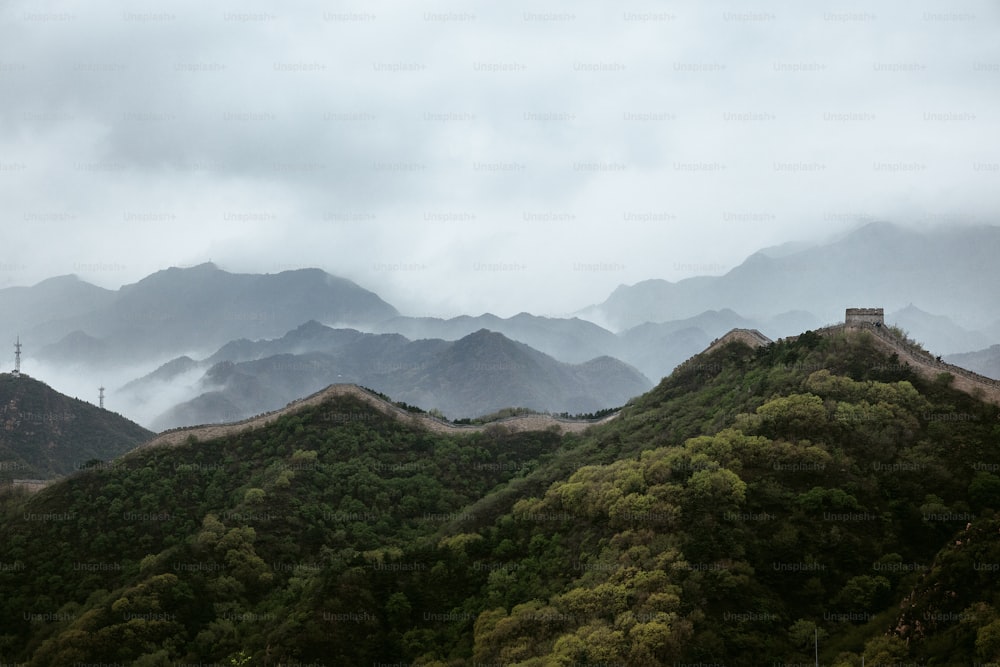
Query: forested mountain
x=44, y=434
x=750, y=500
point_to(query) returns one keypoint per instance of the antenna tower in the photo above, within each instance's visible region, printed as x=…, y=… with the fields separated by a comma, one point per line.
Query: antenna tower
x=101, y=396
x=17, y=358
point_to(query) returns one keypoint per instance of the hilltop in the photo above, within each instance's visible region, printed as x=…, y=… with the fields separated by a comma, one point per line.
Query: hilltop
x=906, y=353
x=44, y=434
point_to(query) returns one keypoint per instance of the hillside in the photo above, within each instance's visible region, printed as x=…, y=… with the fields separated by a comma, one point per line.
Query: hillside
x=44, y=434
x=753, y=496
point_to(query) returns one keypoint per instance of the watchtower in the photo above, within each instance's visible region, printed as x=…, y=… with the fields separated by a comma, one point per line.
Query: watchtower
x=864, y=316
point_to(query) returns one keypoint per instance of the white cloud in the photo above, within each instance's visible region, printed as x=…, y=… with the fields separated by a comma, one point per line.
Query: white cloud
x=575, y=147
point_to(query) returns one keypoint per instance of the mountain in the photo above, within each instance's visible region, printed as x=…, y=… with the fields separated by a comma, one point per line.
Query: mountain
x=985, y=362
x=44, y=434
x=27, y=309
x=476, y=375
x=486, y=371
x=937, y=332
x=879, y=263
x=754, y=501
x=658, y=348
x=653, y=348
x=78, y=346
x=568, y=339
x=165, y=373
x=308, y=337
x=177, y=311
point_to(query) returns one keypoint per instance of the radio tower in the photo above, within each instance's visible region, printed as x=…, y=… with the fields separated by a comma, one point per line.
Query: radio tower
x=101, y=389
x=17, y=358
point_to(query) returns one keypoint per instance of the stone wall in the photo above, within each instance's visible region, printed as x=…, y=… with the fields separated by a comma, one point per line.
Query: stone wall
x=203, y=432
x=856, y=316
x=871, y=320
x=930, y=367
x=751, y=337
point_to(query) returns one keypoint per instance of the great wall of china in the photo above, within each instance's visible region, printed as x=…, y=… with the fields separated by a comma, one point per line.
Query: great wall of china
x=871, y=320
x=856, y=319
x=424, y=420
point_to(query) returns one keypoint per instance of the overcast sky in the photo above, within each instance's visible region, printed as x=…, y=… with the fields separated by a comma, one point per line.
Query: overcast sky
x=479, y=155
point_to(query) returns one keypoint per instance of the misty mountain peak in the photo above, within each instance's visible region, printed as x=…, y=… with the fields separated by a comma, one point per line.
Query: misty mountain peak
x=485, y=335
x=308, y=328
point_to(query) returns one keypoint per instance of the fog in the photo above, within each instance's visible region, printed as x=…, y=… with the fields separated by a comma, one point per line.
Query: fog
x=142, y=407
x=479, y=157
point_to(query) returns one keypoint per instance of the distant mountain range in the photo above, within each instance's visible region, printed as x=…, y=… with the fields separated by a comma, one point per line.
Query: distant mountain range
x=939, y=333
x=985, y=362
x=939, y=286
x=45, y=434
x=476, y=375
x=177, y=311
x=951, y=271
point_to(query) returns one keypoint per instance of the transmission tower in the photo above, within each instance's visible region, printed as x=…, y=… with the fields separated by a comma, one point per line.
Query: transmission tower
x=17, y=358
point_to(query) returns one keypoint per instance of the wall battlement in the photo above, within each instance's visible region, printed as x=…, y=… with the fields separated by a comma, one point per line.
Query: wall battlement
x=862, y=316
x=872, y=320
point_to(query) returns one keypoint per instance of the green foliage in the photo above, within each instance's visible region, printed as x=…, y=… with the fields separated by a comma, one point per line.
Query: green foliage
x=46, y=435
x=754, y=500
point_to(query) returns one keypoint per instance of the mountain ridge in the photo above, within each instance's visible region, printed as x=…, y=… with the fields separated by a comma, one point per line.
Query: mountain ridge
x=520, y=423
x=922, y=362
x=475, y=375
x=880, y=262
x=337, y=530
x=179, y=310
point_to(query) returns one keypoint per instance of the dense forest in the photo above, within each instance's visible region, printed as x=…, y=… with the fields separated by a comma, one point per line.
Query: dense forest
x=754, y=501
x=45, y=434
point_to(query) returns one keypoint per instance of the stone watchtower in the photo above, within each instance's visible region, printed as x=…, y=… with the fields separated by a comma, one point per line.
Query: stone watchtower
x=859, y=317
